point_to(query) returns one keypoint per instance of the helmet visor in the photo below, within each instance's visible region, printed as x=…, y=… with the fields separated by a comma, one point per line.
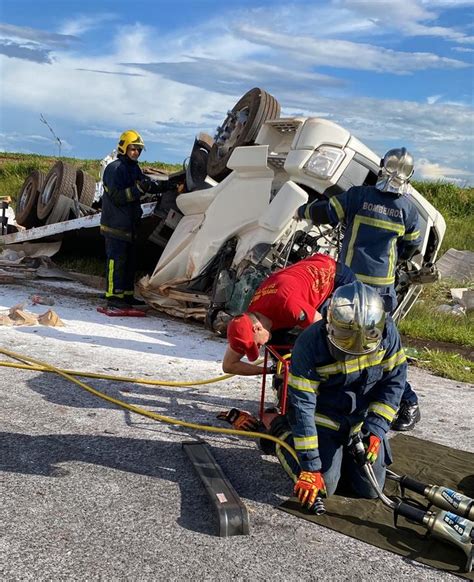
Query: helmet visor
x=355, y=341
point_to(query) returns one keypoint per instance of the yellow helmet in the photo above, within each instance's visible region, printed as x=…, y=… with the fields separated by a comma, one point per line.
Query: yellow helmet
x=129, y=137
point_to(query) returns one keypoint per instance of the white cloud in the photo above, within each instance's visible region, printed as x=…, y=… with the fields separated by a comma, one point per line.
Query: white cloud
x=427, y=170
x=407, y=17
x=82, y=23
x=347, y=54
x=200, y=73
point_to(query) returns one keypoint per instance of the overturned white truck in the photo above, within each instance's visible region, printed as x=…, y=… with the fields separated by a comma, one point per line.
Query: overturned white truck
x=229, y=234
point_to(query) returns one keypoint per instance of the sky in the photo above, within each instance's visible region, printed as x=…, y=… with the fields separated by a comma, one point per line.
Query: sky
x=393, y=72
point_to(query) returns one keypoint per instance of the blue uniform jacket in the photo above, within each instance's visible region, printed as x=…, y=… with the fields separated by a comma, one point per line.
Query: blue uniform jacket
x=380, y=228
x=121, y=208
x=344, y=396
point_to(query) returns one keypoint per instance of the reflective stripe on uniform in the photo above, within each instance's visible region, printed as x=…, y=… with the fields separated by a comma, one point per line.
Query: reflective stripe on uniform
x=383, y=281
x=303, y=384
x=354, y=365
x=128, y=193
x=412, y=235
x=384, y=410
x=337, y=207
x=307, y=443
x=399, y=229
x=356, y=428
x=123, y=234
x=110, y=278
x=281, y=457
x=394, y=361
x=323, y=420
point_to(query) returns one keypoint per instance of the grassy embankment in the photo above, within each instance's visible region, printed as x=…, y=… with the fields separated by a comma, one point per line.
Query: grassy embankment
x=423, y=324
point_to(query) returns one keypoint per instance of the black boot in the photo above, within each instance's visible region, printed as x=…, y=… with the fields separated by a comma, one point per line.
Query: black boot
x=408, y=415
x=116, y=303
x=134, y=302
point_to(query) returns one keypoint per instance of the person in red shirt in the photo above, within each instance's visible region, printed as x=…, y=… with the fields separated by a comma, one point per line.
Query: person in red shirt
x=287, y=299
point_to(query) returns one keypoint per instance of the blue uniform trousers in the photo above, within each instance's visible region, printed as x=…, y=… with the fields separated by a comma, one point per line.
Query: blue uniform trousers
x=389, y=298
x=120, y=267
x=339, y=466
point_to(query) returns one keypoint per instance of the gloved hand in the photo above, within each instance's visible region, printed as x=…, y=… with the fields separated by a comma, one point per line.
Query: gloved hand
x=146, y=185
x=299, y=214
x=273, y=368
x=310, y=485
x=372, y=446
x=239, y=419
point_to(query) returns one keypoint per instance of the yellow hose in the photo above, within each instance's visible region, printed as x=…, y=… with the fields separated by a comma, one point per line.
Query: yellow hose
x=42, y=366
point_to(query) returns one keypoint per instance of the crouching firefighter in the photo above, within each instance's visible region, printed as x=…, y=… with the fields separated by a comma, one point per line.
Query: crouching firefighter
x=347, y=377
x=124, y=185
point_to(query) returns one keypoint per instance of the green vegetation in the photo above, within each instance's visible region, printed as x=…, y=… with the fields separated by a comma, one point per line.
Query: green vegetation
x=14, y=169
x=423, y=323
x=457, y=206
x=446, y=365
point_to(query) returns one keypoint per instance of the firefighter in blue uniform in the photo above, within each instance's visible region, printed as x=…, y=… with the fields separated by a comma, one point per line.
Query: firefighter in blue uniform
x=381, y=228
x=346, y=378
x=124, y=185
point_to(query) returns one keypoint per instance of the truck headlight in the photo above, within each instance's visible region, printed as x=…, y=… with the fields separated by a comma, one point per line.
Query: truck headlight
x=324, y=162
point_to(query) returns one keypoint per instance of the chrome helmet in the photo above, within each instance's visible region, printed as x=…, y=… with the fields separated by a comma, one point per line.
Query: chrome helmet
x=356, y=319
x=396, y=169
x=129, y=137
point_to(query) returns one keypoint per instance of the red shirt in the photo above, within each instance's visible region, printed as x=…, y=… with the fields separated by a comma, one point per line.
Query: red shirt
x=290, y=297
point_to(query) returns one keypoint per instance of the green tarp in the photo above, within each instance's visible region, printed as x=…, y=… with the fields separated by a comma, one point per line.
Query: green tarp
x=371, y=522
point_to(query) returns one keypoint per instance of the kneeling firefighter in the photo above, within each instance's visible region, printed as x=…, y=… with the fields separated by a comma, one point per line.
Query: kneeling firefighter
x=347, y=377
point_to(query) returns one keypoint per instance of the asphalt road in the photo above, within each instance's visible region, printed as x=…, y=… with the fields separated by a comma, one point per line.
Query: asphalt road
x=92, y=492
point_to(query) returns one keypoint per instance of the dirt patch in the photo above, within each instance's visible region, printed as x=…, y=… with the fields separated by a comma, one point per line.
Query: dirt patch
x=464, y=351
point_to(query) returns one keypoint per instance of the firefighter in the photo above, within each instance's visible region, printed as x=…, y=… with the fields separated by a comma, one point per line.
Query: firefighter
x=347, y=377
x=124, y=184
x=287, y=299
x=381, y=228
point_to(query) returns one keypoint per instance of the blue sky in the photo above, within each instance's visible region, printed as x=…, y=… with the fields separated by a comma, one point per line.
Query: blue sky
x=393, y=72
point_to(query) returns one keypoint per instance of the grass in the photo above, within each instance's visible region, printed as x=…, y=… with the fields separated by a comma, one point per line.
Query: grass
x=14, y=169
x=445, y=364
x=423, y=322
x=457, y=206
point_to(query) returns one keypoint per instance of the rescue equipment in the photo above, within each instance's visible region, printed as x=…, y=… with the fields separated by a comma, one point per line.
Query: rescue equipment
x=439, y=496
x=444, y=525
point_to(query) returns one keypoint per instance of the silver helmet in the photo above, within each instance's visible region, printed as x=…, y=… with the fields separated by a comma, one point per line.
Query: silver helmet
x=356, y=319
x=396, y=169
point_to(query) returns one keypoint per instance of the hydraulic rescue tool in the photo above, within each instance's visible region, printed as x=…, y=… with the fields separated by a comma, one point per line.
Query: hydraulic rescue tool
x=441, y=497
x=444, y=525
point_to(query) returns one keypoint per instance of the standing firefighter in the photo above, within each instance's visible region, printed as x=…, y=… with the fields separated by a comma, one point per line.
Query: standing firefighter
x=347, y=376
x=382, y=227
x=124, y=184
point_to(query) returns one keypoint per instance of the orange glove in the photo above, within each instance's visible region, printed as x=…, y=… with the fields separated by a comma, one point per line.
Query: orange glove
x=310, y=485
x=372, y=446
x=239, y=419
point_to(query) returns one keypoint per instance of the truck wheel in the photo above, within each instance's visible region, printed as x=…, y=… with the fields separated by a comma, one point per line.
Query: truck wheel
x=240, y=128
x=25, y=210
x=61, y=179
x=85, y=185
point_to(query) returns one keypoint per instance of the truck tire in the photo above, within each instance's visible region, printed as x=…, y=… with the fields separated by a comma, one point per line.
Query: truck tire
x=240, y=128
x=61, y=210
x=25, y=209
x=85, y=185
x=61, y=179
